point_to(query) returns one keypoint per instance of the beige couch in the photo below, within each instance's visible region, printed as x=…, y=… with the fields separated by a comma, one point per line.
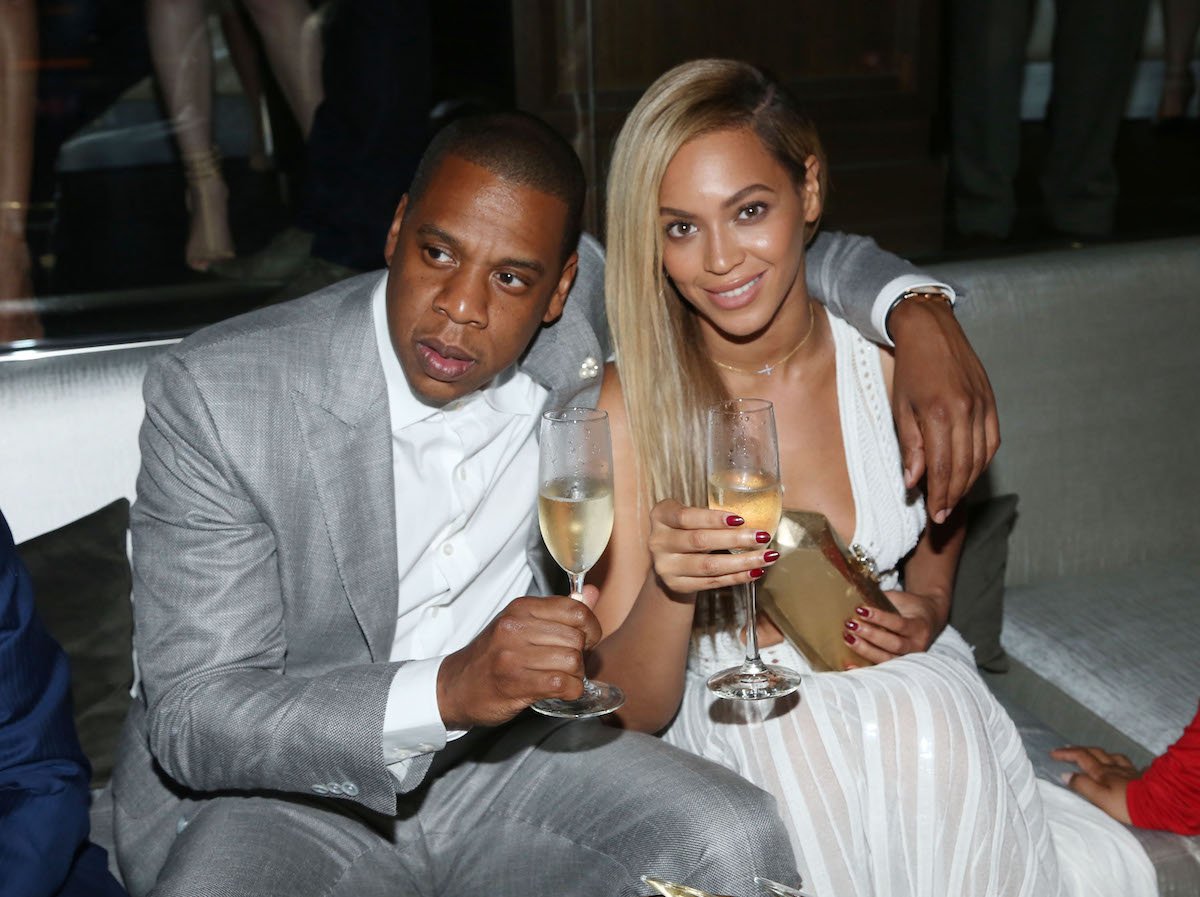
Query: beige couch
x=1092, y=356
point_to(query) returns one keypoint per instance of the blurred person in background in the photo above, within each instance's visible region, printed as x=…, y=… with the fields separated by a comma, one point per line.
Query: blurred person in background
x=18, y=84
x=1181, y=20
x=1096, y=43
x=182, y=51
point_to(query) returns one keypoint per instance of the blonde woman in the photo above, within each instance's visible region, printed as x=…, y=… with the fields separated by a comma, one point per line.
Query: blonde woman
x=905, y=778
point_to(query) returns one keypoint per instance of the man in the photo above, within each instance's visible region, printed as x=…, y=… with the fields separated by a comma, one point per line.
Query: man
x=44, y=847
x=334, y=520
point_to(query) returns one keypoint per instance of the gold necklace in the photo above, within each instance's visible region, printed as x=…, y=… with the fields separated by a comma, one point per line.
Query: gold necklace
x=768, y=369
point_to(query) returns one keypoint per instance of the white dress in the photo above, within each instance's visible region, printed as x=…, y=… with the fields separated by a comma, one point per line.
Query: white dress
x=907, y=778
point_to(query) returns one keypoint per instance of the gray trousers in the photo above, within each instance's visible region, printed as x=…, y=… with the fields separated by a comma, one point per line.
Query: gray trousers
x=539, y=807
x=1096, y=44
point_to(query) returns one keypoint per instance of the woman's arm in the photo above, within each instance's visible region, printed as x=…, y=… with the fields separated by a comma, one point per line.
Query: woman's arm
x=924, y=605
x=657, y=559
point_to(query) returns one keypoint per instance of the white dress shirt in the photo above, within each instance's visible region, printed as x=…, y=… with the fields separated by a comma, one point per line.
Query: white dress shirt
x=465, y=481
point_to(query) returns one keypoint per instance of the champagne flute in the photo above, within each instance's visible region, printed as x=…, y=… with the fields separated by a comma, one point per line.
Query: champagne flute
x=575, y=512
x=743, y=479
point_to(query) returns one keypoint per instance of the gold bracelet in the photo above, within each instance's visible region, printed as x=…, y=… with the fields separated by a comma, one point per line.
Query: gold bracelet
x=924, y=293
x=13, y=206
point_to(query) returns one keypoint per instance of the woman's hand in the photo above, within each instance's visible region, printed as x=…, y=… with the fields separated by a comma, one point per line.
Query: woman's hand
x=879, y=635
x=682, y=542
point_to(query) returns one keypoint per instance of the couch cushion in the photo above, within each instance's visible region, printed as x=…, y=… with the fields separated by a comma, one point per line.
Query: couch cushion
x=977, y=611
x=1122, y=645
x=81, y=584
x=69, y=433
x=1092, y=356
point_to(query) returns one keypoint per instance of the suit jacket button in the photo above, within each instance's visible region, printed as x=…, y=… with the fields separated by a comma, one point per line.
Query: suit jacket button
x=334, y=788
x=320, y=789
x=589, y=369
x=349, y=789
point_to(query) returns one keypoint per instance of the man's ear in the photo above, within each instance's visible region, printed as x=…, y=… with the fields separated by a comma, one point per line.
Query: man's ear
x=393, y=234
x=814, y=202
x=559, y=300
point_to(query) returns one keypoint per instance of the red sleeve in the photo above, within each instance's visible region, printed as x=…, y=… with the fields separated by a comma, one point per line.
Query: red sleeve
x=1167, y=796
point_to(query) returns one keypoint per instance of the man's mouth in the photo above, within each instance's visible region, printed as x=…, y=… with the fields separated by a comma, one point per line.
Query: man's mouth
x=443, y=361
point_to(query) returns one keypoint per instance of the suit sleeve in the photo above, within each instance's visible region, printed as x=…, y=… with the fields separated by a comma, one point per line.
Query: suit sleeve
x=857, y=281
x=43, y=773
x=210, y=635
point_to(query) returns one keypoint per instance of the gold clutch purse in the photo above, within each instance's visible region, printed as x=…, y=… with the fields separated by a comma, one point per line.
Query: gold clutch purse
x=814, y=587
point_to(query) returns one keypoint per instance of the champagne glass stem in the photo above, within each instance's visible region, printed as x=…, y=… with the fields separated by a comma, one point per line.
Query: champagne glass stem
x=576, y=580
x=752, y=658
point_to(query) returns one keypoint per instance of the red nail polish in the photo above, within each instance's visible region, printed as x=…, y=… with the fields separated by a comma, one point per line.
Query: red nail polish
x=848, y=638
x=762, y=537
x=756, y=572
x=862, y=611
x=734, y=520
x=770, y=556
x=852, y=624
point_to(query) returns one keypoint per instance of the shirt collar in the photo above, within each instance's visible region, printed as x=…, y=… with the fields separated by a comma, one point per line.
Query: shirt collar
x=509, y=392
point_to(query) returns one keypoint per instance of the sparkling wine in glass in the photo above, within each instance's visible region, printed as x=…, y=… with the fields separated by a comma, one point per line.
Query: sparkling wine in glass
x=575, y=512
x=743, y=479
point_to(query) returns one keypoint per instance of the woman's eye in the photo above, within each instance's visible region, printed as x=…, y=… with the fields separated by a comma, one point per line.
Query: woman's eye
x=680, y=229
x=754, y=210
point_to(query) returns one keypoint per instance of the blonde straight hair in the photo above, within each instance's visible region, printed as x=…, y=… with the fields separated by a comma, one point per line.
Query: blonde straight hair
x=667, y=379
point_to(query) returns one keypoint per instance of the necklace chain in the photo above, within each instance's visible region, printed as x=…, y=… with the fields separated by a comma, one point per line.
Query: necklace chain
x=768, y=369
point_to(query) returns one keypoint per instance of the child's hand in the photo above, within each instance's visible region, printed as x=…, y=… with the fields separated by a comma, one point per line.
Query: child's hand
x=1104, y=778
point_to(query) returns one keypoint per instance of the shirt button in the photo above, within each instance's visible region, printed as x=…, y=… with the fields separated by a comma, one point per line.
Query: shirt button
x=447, y=549
x=462, y=473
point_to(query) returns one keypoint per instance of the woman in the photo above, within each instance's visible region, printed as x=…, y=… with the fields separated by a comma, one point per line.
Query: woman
x=905, y=778
x=182, y=52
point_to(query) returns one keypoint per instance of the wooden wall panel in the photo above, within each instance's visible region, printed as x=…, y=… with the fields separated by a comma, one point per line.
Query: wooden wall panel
x=865, y=69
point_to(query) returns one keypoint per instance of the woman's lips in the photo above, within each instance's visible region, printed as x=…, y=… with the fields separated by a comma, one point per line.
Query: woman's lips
x=738, y=296
x=442, y=362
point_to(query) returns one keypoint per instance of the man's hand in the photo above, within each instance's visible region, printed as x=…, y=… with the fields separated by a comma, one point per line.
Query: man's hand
x=532, y=650
x=943, y=404
x=1104, y=778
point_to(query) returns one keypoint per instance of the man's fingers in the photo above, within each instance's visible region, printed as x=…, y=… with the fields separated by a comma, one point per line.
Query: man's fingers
x=554, y=621
x=912, y=447
x=962, y=459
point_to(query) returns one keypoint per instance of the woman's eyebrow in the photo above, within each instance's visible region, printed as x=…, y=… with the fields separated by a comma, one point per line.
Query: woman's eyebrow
x=732, y=201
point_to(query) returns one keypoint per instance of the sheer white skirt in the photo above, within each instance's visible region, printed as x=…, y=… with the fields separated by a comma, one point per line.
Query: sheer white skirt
x=910, y=779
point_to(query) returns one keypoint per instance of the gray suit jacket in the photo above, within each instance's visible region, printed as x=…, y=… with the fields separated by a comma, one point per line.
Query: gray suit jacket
x=264, y=546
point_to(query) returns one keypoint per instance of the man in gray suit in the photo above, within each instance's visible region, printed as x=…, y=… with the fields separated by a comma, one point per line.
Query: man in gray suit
x=334, y=521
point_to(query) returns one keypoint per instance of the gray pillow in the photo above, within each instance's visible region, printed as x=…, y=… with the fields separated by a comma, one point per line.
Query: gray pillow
x=977, y=610
x=81, y=584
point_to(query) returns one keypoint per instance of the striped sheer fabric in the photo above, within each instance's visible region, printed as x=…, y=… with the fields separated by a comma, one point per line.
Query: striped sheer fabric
x=907, y=778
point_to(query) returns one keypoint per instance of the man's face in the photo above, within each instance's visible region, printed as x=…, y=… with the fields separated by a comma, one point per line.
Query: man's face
x=475, y=268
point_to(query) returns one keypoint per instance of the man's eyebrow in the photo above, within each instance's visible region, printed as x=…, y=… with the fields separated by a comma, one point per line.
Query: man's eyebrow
x=732, y=201
x=432, y=230
x=532, y=265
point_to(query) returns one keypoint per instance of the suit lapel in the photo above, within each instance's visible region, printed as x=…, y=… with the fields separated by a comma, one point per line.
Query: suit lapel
x=346, y=431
